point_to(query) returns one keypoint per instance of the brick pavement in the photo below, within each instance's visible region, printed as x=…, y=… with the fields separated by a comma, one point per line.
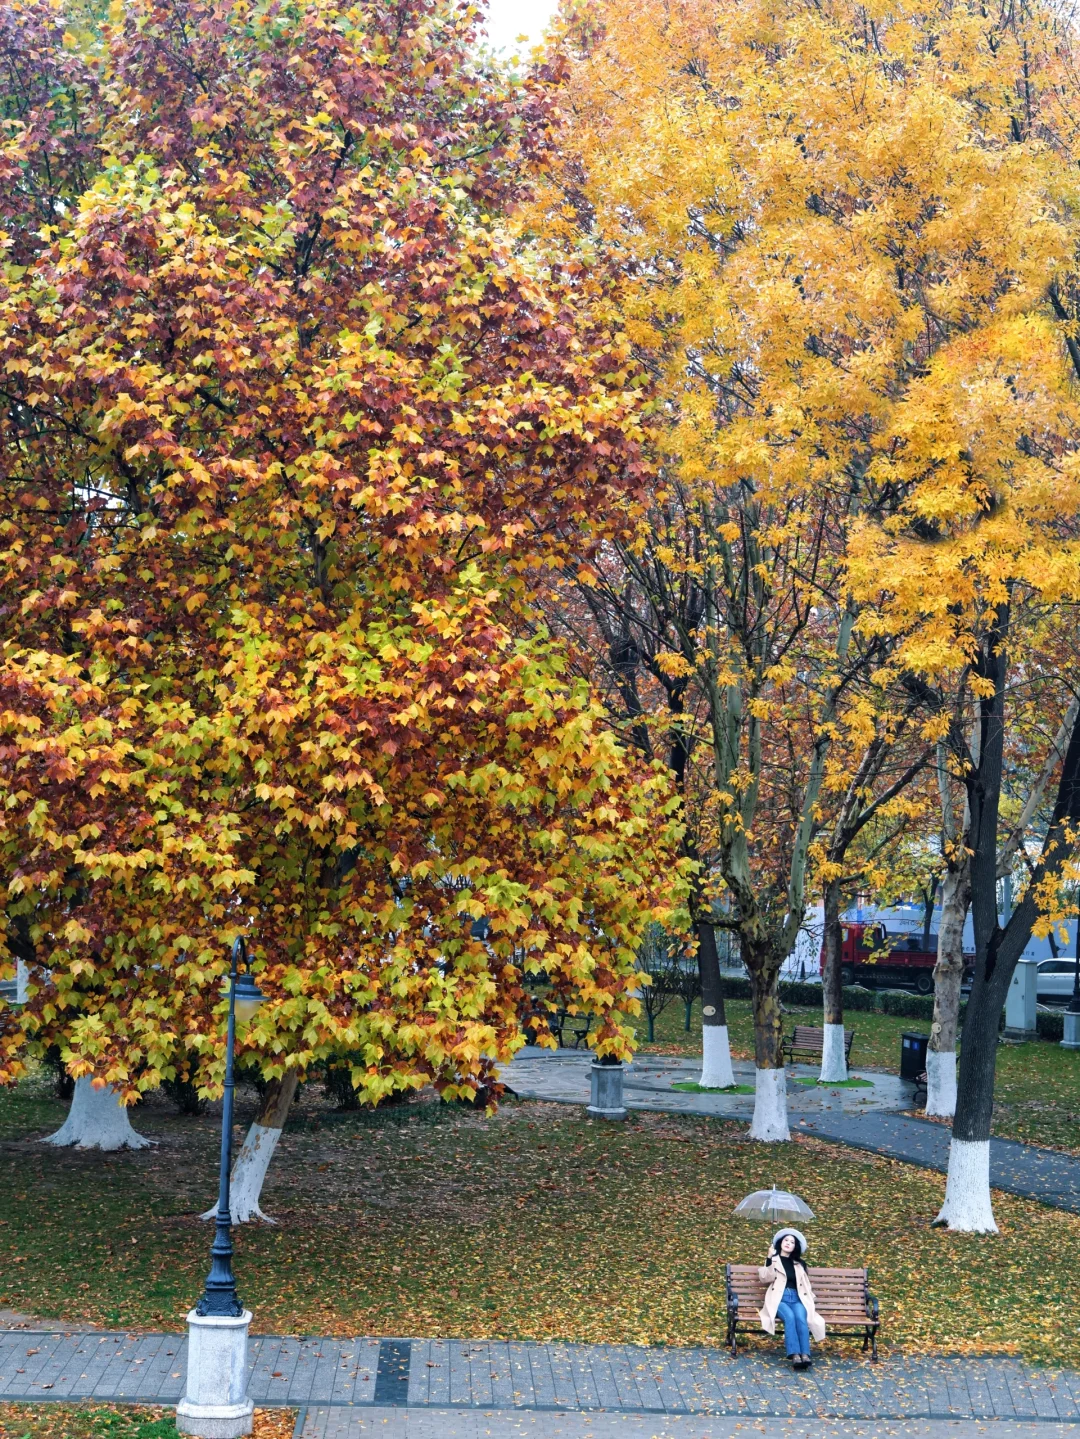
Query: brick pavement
x=331, y=1378
x=519, y=1424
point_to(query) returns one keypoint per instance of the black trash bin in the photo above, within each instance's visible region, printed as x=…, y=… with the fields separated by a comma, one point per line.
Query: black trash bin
x=913, y=1055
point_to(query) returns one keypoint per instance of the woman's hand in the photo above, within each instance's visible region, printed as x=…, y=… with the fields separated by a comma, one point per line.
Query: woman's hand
x=771, y=1254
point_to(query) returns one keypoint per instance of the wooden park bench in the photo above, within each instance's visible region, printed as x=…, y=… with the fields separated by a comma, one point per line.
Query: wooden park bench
x=806, y=1042
x=569, y=1031
x=842, y=1297
x=919, y=1097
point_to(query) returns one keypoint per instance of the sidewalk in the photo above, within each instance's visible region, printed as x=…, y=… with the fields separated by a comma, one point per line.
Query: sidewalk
x=504, y=1424
x=868, y=1119
x=400, y=1387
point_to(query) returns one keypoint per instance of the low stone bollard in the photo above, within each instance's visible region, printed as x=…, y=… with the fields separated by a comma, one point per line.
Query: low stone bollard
x=607, y=1090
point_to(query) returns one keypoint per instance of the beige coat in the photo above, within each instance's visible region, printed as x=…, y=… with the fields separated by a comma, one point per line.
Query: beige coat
x=774, y=1276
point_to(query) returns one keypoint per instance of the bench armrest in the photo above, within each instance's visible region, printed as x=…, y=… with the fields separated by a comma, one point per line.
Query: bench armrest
x=872, y=1308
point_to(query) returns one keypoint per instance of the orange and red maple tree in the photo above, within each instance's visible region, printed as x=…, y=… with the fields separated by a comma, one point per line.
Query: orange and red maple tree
x=291, y=425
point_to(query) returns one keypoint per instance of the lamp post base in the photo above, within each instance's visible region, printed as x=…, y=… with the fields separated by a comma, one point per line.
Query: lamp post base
x=1070, y=1038
x=215, y=1403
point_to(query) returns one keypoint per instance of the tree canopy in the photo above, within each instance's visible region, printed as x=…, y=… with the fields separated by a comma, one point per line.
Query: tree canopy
x=290, y=424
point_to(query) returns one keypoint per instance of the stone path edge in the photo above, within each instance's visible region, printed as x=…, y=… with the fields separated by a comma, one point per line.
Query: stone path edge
x=561, y=1409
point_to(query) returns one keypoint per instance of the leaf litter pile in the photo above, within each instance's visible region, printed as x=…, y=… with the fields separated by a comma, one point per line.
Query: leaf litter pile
x=534, y=1224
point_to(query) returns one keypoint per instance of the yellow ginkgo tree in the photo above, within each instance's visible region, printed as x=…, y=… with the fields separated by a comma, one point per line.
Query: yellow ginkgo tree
x=808, y=208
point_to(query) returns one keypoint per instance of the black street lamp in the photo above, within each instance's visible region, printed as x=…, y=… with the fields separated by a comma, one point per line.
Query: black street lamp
x=220, y=1299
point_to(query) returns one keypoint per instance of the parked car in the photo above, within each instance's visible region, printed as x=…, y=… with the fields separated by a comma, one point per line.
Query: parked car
x=1055, y=979
x=872, y=956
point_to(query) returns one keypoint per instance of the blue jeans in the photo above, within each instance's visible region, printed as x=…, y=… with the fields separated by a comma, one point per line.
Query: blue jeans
x=793, y=1312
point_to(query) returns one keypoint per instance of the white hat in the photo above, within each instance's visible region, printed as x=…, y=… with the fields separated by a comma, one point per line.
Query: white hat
x=797, y=1234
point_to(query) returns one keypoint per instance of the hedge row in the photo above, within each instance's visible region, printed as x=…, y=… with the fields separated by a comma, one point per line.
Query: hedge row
x=887, y=1001
x=916, y=1006
x=1050, y=1026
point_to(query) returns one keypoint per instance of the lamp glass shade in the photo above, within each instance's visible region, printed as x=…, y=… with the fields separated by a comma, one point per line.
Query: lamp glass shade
x=248, y=997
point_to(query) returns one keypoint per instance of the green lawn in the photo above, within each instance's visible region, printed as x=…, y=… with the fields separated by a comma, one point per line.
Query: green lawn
x=536, y=1223
x=117, y=1421
x=84, y=1421
x=1037, y=1098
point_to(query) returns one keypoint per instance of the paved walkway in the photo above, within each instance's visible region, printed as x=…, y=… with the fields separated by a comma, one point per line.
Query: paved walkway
x=514, y=1424
x=864, y=1118
x=343, y=1384
x=563, y=1074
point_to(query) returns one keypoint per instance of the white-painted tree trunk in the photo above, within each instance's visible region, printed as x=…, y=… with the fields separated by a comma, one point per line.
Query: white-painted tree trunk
x=716, y=1070
x=833, y=1059
x=967, y=1190
x=22, y=981
x=97, y=1120
x=249, y=1171
x=941, y=1083
x=250, y=1165
x=770, y=1106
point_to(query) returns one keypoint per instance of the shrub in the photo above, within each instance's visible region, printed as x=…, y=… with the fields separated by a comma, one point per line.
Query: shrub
x=185, y=1096
x=855, y=997
x=336, y=1075
x=734, y=988
x=795, y=992
x=1050, y=1025
x=912, y=1006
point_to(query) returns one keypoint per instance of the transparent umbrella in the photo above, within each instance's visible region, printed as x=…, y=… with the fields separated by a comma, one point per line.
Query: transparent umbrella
x=774, y=1205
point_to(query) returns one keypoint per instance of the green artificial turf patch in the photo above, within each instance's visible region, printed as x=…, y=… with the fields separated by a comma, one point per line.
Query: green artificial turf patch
x=852, y=1083
x=689, y=1087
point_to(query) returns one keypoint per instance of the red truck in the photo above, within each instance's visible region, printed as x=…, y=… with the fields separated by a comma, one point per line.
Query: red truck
x=872, y=956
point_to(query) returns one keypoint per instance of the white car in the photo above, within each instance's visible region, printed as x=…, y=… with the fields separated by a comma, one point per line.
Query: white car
x=1056, y=979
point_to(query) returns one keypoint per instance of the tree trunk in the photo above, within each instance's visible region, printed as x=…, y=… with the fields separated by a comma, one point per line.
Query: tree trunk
x=688, y=1011
x=650, y=1025
x=833, y=1058
x=928, y=913
x=769, y=1123
x=968, y=1205
x=948, y=975
x=97, y=1120
x=256, y=1152
x=716, y=1071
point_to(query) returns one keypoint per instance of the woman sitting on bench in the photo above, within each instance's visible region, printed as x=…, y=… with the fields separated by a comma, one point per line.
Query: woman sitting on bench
x=789, y=1295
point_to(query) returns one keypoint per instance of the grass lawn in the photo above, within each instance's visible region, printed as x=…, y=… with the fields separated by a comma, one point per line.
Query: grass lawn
x=1037, y=1097
x=114, y=1421
x=534, y=1224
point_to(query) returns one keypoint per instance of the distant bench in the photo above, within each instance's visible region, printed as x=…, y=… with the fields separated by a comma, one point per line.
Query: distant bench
x=806, y=1042
x=841, y=1296
x=569, y=1031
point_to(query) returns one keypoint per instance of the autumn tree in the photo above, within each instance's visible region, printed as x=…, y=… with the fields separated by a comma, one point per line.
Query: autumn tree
x=981, y=561
x=291, y=425
x=803, y=203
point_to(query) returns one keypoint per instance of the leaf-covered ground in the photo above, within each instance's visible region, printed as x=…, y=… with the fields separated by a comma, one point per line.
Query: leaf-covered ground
x=534, y=1224
x=1036, y=1098
x=114, y=1421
